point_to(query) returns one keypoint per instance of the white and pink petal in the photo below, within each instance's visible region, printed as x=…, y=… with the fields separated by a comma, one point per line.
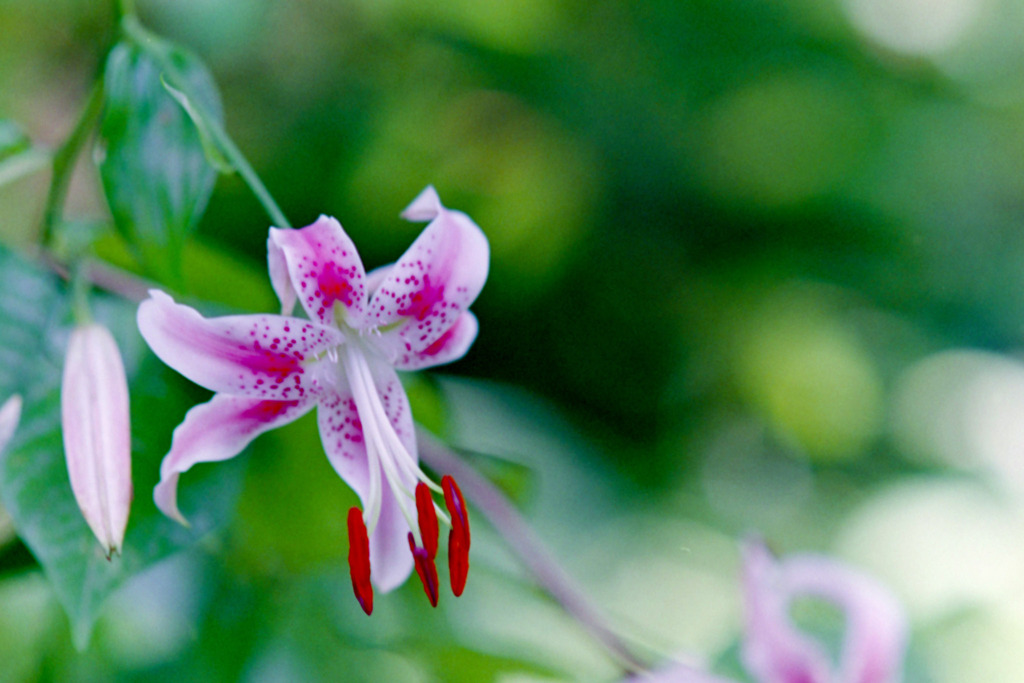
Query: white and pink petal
x=390, y=559
x=341, y=432
x=326, y=272
x=450, y=346
x=345, y=434
x=280, y=278
x=434, y=282
x=260, y=356
x=218, y=430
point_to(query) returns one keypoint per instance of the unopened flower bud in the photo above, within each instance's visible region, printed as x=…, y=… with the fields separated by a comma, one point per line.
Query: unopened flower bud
x=97, y=432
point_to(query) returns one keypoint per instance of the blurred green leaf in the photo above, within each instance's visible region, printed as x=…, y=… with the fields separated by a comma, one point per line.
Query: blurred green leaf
x=12, y=139
x=34, y=483
x=153, y=165
x=20, y=164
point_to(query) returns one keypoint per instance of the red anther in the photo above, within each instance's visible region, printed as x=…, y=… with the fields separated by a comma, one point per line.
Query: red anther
x=427, y=519
x=457, y=508
x=458, y=562
x=359, y=560
x=426, y=569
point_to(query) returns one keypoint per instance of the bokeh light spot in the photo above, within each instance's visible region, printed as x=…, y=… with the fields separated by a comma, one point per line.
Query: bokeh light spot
x=916, y=27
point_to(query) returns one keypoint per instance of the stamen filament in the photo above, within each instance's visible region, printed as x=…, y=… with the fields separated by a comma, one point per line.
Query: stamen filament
x=376, y=428
x=407, y=463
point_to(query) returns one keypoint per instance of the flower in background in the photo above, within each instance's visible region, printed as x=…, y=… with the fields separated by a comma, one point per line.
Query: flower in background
x=10, y=412
x=776, y=651
x=268, y=370
x=97, y=432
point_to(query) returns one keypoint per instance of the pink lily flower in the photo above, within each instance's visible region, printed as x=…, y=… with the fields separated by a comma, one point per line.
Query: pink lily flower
x=268, y=370
x=10, y=413
x=97, y=432
x=776, y=651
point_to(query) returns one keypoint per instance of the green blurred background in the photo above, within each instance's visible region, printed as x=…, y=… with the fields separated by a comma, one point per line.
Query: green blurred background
x=764, y=259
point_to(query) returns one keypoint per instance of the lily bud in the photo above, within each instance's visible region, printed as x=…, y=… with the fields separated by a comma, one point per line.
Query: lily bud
x=9, y=414
x=97, y=432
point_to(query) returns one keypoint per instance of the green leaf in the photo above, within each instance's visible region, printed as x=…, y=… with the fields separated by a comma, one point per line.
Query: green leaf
x=17, y=166
x=207, y=133
x=12, y=139
x=152, y=160
x=34, y=484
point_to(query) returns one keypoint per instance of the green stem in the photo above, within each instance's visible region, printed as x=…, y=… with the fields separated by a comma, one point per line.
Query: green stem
x=80, y=288
x=156, y=48
x=234, y=155
x=124, y=8
x=64, y=160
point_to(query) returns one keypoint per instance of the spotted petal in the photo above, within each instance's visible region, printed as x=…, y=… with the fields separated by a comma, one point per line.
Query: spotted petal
x=450, y=346
x=344, y=441
x=218, y=430
x=259, y=356
x=433, y=283
x=775, y=651
x=325, y=270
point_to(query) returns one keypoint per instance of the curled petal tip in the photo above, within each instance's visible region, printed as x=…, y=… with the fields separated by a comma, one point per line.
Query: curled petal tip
x=165, y=495
x=425, y=207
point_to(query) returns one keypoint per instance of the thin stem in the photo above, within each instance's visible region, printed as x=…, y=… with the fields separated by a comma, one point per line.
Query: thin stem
x=238, y=160
x=64, y=160
x=80, y=287
x=157, y=49
x=528, y=547
x=104, y=276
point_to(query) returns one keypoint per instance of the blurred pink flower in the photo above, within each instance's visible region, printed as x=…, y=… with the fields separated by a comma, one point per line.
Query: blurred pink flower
x=268, y=370
x=776, y=651
x=97, y=432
